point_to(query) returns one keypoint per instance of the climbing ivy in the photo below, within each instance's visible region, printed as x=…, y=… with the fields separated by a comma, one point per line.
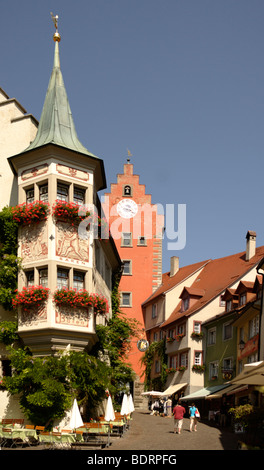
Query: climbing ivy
x=9, y=262
x=156, y=349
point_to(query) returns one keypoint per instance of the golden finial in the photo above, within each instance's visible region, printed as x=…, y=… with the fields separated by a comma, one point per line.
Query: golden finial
x=56, y=36
x=129, y=154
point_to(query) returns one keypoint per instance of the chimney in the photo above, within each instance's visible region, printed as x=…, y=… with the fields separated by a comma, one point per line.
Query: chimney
x=174, y=265
x=251, y=244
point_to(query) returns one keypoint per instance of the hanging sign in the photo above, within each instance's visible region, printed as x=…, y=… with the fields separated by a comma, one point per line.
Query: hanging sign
x=142, y=345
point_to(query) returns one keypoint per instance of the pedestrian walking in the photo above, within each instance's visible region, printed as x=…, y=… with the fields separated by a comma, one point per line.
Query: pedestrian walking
x=193, y=417
x=178, y=413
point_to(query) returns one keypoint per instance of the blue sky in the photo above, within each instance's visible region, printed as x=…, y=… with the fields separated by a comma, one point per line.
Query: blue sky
x=180, y=83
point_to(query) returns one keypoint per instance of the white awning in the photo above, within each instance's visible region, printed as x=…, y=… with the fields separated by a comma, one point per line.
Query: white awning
x=204, y=392
x=227, y=391
x=173, y=389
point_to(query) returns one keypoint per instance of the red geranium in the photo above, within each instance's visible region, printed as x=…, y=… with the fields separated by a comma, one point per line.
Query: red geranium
x=30, y=213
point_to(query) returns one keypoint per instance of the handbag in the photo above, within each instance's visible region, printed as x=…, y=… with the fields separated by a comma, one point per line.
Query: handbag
x=197, y=414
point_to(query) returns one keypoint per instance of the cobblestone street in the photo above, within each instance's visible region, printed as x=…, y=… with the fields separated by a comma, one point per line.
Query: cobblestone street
x=149, y=432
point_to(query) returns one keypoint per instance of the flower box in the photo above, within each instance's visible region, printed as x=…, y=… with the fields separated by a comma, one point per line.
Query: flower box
x=181, y=368
x=196, y=335
x=30, y=297
x=74, y=214
x=70, y=212
x=179, y=336
x=34, y=212
x=171, y=370
x=81, y=299
x=170, y=339
x=198, y=368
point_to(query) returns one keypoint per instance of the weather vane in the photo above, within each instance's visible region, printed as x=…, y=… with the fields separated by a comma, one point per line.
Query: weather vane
x=129, y=154
x=56, y=35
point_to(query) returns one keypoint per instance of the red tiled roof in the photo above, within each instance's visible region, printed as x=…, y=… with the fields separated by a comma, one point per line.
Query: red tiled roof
x=216, y=276
x=168, y=282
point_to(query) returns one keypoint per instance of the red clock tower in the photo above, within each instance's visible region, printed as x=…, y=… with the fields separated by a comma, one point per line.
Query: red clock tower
x=137, y=230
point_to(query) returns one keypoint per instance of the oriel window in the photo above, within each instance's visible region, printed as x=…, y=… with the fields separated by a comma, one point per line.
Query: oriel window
x=62, y=278
x=30, y=278
x=79, y=195
x=43, y=193
x=62, y=192
x=30, y=195
x=78, y=280
x=43, y=277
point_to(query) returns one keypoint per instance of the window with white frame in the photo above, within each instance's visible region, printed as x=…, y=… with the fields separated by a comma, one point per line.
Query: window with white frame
x=154, y=310
x=78, y=280
x=213, y=370
x=30, y=278
x=227, y=331
x=253, y=326
x=62, y=278
x=181, y=329
x=198, y=358
x=126, y=239
x=197, y=327
x=228, y=364
x=211, y=336
x=142, y=241
x=127, y=267
x=30, y=196
x=78, y=195
x=43, y=193
x=184, y=359
x=62, y=192
x=173, y=362
x=43, y=277
x=126, y=299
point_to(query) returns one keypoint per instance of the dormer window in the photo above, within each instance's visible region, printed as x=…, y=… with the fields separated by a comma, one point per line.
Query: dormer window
x=189, y=296
x=185, y=304
x=242, y=299
x=228, y=305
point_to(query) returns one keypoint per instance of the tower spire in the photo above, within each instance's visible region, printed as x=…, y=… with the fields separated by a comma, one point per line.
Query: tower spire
x=56, y=123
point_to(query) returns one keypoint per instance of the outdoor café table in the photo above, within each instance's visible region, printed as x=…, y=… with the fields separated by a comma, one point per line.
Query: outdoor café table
x=23, y=433
x=20, y=433
x=57, y=438
x=97, y=428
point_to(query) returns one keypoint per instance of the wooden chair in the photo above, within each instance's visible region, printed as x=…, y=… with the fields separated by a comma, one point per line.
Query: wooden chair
x=40, y=428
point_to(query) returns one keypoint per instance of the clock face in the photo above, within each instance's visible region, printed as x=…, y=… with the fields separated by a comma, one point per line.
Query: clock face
x=127, y=208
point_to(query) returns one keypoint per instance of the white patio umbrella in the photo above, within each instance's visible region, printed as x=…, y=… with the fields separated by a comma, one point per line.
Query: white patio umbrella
x=124, y=407
x=109, y=412
x=75, y=416
x=130, y=404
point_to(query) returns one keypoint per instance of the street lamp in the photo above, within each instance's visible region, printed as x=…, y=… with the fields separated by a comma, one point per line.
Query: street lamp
x=241, y=344
x=260, y=270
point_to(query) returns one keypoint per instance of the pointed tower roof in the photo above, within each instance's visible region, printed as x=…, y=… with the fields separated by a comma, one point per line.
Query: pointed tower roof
x=56, y=123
